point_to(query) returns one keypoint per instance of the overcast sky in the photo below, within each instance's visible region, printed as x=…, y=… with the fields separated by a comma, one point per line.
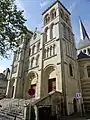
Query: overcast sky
x=34, y=8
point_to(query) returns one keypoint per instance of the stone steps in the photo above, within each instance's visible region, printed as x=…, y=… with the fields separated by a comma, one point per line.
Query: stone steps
x=12, y=107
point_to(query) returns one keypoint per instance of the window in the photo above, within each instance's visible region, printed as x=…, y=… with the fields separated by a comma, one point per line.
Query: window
x=89, y=51
x=64, y=30
x=70, y=69
x=88, y=71
x=67, y=19
x=47, y=52
x=50, y=50
x=32, y=62
x=69, y=34
x=53, y=14
x=54, y=49
x=46, y=19
x=29, y=51
x=46, y=34
x=84, y=51
x=61, y=13
x=33, y=49
x=37, y=60
x=51, y=31
x=51, y=84
x=44, y=53
x=38, y=46
x=14, y=69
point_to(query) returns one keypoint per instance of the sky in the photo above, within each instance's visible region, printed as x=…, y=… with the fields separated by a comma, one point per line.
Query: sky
x=33, y=10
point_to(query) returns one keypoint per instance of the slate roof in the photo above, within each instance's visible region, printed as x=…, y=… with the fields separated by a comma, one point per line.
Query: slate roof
x=83, y=55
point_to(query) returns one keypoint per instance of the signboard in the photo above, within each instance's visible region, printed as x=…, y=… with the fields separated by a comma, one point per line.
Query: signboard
x=31, y=91
x=78, y=95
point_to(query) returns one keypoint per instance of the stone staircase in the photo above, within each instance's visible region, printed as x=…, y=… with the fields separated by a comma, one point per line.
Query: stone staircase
x=13, y=107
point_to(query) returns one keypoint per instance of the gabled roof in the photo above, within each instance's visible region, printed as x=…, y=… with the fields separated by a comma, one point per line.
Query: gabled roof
x=83, y=55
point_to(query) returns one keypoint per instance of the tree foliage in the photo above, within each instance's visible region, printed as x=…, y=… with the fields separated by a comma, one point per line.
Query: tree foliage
x=11, y=26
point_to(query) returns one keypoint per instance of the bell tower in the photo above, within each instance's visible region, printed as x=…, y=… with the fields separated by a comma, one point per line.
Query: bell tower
x=59, y=54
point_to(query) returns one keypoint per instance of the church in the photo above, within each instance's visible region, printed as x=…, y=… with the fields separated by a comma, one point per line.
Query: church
x=49, y=63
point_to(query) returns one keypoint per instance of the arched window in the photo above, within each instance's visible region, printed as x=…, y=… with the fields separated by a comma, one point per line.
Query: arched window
x=61, y=13
x=71, y=70
x=38, y=46
x=51, y=31
x=84, y=51
x=46, y=34
x=37, y=59
x=33, y=49
x=88, y=71
x=54, y=49
x=29, y=51
x=50, y=50
x=32, y=62
x=67, y=19
x=46, y=19
x=53, y=14
x=88, y=51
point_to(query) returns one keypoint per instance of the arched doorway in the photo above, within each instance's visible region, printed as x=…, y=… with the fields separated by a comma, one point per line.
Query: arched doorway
x=75, y=105
x=10, y=89
x=49, y=79
x=31, y=82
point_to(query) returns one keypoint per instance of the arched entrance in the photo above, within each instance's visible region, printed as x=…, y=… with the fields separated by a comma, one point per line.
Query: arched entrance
x=31, y=82
x=49, y=79
x=11, y=88
x=75, y=105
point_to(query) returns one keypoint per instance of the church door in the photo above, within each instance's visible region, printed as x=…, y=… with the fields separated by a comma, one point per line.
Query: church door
x=44, y=113
x=75, y=105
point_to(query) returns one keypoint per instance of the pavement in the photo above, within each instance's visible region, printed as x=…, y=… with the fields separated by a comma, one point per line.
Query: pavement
x=75, y=117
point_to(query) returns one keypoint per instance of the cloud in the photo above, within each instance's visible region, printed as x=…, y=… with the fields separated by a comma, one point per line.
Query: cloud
x=43, y=4
x=2, y=69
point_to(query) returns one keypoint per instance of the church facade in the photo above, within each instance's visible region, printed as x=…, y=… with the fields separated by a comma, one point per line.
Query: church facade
x=47, y=62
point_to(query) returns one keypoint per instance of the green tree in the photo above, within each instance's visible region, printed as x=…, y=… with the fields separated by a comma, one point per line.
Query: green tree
x=11, y=26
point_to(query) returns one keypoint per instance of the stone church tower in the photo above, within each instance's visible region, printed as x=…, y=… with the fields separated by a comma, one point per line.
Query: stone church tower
x=46, y=61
